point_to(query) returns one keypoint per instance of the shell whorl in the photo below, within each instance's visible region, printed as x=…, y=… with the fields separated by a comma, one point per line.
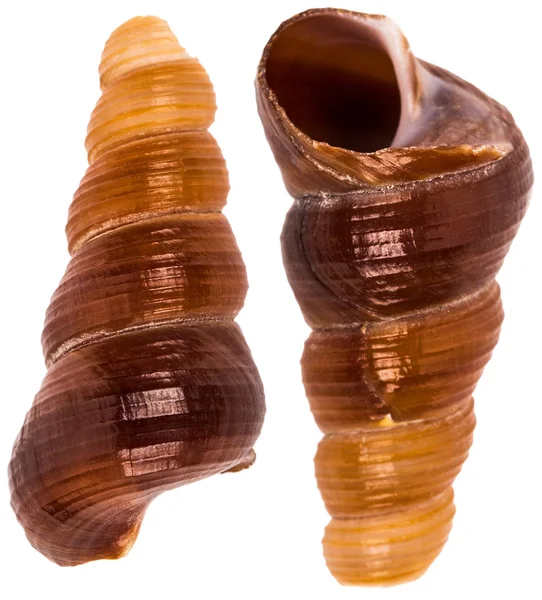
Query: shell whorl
x=150, y=383
x=139, y=43
x=409, y=186
x=150, y=85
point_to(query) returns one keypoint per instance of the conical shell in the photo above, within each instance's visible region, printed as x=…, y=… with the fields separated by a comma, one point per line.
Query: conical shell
x=409, y=186
x=150, y=384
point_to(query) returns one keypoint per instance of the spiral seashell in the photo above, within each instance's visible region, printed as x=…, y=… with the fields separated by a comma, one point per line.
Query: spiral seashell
x=409, y=186
x=150, y=384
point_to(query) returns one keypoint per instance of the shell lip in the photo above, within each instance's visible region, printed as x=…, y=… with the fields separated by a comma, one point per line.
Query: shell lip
x=407, y=70
x=415, y=86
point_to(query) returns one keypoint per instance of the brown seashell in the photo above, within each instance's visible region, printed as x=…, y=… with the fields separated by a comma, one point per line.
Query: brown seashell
x=409, y=186
x=150, y=382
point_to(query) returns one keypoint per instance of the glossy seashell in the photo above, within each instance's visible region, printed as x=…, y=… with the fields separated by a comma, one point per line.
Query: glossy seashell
x=150, y=384
x=409, y=186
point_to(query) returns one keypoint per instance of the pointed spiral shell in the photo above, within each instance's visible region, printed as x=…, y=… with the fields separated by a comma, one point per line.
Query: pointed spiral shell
x=150, y=384
x=409, y=186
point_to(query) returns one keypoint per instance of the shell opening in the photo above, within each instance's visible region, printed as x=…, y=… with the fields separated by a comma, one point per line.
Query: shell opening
x=336, y=81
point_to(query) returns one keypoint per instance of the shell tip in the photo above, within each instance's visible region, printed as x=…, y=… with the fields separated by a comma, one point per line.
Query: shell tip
x=138, y=43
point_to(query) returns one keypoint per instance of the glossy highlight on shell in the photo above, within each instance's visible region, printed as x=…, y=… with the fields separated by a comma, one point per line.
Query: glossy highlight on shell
x=150, y=383
x=409, y=185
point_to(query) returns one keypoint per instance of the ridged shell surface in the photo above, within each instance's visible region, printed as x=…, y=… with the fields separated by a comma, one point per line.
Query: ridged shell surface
x=409, y=186
x=150, y=383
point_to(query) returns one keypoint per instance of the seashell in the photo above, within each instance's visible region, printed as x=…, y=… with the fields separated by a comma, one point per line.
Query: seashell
x=409, y=186
x=150, y=383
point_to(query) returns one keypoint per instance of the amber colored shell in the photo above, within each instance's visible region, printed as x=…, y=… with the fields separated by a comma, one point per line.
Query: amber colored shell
x=150, y=384
x=409, y=186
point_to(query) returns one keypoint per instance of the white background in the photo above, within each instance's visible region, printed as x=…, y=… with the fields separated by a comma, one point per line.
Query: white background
x=257, y=534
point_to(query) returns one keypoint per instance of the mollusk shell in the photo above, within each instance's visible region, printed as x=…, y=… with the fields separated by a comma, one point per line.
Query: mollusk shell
x=409, y=186
x=150, y=383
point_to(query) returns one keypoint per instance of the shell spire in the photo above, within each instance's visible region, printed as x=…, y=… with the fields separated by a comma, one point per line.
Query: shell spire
x=409, y=186
x=139, y=43
x=150, y=383
x=150, y=86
